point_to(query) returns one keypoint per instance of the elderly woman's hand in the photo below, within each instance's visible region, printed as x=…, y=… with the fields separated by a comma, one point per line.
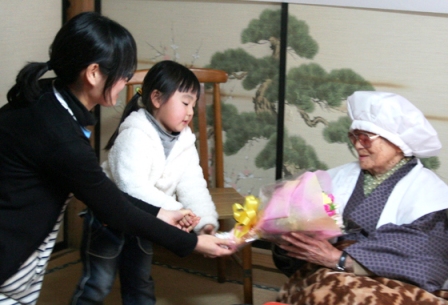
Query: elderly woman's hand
x=304, y=247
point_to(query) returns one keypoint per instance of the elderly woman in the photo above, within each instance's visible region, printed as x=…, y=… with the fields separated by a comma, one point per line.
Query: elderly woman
x=394, y=212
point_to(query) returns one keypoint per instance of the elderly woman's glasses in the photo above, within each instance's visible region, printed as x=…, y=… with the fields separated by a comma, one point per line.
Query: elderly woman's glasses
x=364, y=139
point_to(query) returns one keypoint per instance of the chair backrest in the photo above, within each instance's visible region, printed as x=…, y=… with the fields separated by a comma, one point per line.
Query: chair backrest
x=214, y=77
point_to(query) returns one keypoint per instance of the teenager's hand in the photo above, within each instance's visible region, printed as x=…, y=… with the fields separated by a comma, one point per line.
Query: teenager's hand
x=171, y=217
x=212, y=246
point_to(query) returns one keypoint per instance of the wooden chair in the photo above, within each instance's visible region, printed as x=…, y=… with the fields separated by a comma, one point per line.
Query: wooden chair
x=222, y=197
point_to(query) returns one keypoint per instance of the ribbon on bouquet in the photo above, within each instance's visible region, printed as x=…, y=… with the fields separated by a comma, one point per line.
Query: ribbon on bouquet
x=245, y=215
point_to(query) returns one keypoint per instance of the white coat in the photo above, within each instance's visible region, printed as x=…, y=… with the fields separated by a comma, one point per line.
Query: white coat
x=137, y=164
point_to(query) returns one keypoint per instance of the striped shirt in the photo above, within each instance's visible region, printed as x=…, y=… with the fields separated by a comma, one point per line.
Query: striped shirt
x=24, y=286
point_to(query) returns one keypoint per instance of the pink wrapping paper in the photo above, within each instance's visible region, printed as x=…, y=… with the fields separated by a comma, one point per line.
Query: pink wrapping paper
x=304, y=204
x=298, y=206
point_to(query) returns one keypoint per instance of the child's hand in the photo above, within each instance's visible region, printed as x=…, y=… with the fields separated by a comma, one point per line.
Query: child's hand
x=208, y=229
x=189, y=221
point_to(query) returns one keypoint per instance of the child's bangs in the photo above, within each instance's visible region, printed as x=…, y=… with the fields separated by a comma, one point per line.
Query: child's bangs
x=190, y=84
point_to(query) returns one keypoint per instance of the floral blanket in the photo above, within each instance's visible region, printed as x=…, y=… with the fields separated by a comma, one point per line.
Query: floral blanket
x=314, y=285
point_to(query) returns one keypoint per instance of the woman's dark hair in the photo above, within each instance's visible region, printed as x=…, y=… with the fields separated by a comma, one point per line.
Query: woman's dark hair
x=167, y=77
x=85, y=39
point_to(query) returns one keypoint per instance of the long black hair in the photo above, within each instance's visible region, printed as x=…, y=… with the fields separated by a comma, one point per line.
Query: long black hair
x=167, y=77
x=85, y=39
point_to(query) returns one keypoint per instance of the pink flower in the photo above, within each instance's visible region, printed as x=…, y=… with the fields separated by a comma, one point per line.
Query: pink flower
x=329, y=205
x=330, y=210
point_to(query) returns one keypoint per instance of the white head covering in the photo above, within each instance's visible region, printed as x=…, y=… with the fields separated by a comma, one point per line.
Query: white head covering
x=394, y=118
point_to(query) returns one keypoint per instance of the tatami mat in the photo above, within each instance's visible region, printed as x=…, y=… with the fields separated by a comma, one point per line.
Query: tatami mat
x=187, y=281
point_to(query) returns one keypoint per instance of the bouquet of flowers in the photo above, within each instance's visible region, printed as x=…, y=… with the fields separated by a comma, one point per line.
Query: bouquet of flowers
x=304, y=204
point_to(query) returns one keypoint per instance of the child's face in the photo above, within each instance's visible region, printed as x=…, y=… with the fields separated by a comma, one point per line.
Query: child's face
x=176, y=113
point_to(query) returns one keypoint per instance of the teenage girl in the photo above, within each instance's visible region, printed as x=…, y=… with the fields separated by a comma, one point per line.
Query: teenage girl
x=45, y=155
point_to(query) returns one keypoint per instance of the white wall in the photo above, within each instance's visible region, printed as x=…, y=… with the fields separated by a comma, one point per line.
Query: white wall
x=27, y=30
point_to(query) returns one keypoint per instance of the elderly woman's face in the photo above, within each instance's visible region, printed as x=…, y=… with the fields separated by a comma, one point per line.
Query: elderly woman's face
x=380, y=157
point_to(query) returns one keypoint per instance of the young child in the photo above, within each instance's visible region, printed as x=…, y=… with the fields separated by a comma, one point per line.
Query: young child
x=152, y=156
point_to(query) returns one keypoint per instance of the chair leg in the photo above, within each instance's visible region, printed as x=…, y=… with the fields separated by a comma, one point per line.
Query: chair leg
x=221, y=261
x=221, y=264
x=247, y=274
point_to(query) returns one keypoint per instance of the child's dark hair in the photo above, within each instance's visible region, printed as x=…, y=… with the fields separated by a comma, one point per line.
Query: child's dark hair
x=85, y=39
x=167, y=77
